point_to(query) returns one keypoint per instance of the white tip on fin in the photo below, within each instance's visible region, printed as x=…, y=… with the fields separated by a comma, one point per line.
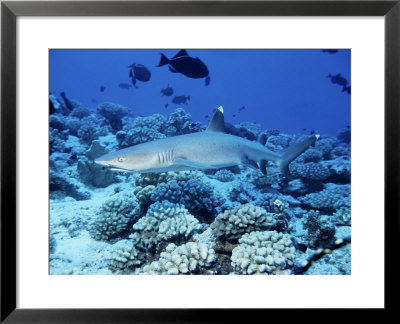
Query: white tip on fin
x=217, y=123
x=317, y=136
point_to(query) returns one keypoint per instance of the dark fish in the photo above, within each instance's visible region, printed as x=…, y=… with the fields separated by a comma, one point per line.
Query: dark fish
x=304, y=129
x=339, y=80
x=68, y=103
x=347, y=126
x=94, y=101
x=242, y=108
x=124, y=85
x=139, y=72
x=330, y=51
x=206, y=116
x=347, y=89
x=313, y=131
x=102, y=88
x=233, y=115
x=189, y=66
x=168, y=91
x=166, y=106
x=180, y=99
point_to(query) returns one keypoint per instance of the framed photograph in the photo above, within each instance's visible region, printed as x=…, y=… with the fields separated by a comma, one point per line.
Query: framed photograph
x=161, y=158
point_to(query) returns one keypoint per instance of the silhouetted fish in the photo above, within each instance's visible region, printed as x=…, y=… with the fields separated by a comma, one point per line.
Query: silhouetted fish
x=166, y=106
x=313, y=131
x=168, y=91
x=124, y=85
x=139, y=72
x=187, y=65
x=102, y=88
x=330, y=51
x=180, y=99
x=338, y=79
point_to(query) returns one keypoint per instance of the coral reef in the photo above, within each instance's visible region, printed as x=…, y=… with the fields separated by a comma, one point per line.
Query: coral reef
x=266, y=252
x=198, y=197
x=184, y=259
x=163, y=221
x=232, y=224
x=115, y=218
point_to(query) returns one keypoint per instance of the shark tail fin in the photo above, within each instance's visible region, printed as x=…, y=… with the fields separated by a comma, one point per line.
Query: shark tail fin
x=292, y=152
x=164, y=60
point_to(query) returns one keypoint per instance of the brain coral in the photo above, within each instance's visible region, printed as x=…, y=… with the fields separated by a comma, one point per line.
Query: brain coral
x=183, y=259
x=196, y=196
x=232, y=224
x=267, y=252
x=164, y=220
x=114, y=218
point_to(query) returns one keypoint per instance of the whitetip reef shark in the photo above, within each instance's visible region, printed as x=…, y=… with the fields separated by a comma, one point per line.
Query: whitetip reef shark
x=210, y=149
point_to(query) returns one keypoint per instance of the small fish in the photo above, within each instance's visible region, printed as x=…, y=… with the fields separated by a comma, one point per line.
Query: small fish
x=339, y=80
x=94, y=101
x=166, y=106
x=242, y=108
x=102, y=88
x=189, y=66
x=124, y=85
x=330, y=51
x=206, y=116
x=181, y=99
x=313, y=131
x=347, y=126
x=139, y=72
x=304, y=129
x=168, y=91
x=233, y=115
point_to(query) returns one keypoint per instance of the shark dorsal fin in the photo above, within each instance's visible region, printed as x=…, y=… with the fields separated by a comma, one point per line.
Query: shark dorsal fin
x=181, y=53
x=217, y=123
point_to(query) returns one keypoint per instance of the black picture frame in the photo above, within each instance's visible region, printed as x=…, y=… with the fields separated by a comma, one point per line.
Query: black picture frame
x=10, y=10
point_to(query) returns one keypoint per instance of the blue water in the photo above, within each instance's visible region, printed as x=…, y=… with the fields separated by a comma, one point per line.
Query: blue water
x=287, y=90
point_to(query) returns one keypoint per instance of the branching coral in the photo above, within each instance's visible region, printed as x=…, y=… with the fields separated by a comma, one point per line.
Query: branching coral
x=232, y=224
x=329, y=199
x=196, y=196
x=115, y=218
x=266, y=252
x=163, y=221
x=184, y=259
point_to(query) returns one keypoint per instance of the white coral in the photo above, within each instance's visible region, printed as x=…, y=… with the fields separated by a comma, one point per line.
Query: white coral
x=266, y=252
x=243, y=219
x=181, y=259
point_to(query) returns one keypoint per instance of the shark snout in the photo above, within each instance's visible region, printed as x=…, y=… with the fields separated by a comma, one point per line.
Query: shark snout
x=101, y=162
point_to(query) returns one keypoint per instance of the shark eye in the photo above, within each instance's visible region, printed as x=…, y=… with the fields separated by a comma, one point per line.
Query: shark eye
x=121, y=159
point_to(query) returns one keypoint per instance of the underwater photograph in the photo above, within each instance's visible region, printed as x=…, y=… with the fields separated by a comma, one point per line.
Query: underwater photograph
x=200, y=161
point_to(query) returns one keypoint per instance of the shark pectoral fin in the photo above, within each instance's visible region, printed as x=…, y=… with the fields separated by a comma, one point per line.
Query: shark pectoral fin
x=249, y=163
x=192, y=164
